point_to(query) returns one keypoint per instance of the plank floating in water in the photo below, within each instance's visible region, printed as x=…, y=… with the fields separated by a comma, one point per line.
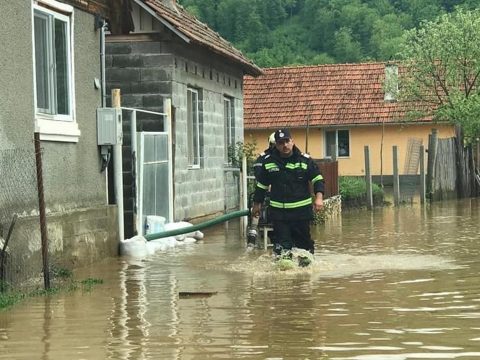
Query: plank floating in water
x=196, y=294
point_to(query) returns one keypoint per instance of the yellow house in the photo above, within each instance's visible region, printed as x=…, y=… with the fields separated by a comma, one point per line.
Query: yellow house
x=338, y=108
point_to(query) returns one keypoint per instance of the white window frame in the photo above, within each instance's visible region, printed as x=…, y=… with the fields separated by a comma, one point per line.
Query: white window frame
x=229, y=126
x=52, y=126
x=193, y=128
x=326, y=150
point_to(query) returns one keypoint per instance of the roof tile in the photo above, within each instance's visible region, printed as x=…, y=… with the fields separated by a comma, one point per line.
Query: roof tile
x=342, y=94
x=200, y=33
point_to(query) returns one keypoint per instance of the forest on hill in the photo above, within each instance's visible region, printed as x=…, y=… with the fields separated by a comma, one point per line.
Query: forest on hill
x=291, y=32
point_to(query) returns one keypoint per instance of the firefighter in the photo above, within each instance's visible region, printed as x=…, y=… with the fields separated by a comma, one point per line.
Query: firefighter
x=252, y=231
x=288, y=173
x=259, y=162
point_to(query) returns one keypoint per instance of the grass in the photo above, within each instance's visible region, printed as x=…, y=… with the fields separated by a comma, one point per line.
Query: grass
x=9, y=297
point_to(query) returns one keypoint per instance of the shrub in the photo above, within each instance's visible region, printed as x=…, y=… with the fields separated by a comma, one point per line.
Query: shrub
x=354, y=190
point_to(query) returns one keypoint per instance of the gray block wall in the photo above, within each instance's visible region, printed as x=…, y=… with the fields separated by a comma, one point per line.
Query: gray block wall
x=148, y=71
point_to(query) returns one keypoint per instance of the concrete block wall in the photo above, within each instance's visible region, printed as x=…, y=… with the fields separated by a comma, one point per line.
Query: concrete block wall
x=75, y=239
x=142, y=72
x=214, y=79
x=148, y=71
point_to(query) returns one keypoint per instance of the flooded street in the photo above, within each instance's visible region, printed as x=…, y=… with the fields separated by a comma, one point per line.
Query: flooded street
x=394, y=284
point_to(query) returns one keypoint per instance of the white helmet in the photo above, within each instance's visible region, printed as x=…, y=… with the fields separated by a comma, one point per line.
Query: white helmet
x=271, y=139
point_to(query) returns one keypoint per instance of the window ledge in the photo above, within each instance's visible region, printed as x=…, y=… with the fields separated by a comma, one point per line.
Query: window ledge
x=55, y=130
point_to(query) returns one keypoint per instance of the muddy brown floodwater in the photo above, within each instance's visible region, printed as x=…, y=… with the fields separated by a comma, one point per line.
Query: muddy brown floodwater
x=392, y=284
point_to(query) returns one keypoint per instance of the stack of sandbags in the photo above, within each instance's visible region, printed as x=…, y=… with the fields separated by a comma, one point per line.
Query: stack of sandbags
x=139, y=247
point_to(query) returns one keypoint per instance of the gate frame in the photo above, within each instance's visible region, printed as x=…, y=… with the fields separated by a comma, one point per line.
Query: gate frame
x=167, y=126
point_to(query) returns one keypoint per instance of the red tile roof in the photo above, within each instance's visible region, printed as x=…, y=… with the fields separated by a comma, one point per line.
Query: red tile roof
x=199, y=33
x=324, y=95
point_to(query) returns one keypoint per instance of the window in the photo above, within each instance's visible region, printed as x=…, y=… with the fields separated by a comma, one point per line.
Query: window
x=338, y=140
x=52, y=63
x=229, y=125
x=52, y=37
x=193, y=127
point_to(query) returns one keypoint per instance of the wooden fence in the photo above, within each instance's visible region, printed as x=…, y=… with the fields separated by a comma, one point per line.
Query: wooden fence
x=329, y=170
x=443, y=179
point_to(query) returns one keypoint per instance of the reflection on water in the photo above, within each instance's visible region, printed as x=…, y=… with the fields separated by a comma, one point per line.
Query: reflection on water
x=392, y=284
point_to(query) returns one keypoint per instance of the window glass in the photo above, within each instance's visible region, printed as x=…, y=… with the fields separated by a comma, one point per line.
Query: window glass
x=193, y=128
x=52, y=63
x=41, y=62
x=343, y=143
x=339, y=140
x=61, y=65
x=330, y=142
x=229, y=128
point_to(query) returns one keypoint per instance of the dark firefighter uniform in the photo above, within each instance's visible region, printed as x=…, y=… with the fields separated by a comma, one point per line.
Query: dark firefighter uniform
x=290, y=197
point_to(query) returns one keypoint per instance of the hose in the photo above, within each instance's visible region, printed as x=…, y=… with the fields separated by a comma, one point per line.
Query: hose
x=199, y=226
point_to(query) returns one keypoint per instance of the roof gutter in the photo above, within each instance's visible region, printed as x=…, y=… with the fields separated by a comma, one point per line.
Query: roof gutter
x=351, y=125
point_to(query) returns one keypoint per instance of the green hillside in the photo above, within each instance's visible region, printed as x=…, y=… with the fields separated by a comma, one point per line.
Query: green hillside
x=287, y=32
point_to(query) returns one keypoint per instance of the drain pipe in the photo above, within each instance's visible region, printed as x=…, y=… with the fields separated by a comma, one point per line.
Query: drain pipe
x=196, y=227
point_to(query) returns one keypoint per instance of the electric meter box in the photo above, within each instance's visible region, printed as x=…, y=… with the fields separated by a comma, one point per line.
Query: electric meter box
x=109, y=126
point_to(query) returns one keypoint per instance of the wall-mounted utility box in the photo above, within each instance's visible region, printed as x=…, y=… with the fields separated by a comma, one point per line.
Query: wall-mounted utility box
x=109, y=126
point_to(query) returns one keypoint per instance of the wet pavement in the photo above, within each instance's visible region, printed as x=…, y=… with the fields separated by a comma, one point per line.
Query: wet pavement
x=391, y=284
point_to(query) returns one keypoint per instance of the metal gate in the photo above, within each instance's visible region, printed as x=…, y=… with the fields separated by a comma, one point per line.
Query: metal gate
x=155, y=189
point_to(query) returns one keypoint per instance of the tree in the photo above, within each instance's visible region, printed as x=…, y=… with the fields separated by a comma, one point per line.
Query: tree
x=346, y=48
x=442, y=78
x=386, y=37
x=442, y=70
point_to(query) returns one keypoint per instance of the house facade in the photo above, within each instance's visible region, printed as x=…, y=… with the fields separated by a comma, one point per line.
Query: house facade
x=171, y=55
x=50, y=66
x=338, y=109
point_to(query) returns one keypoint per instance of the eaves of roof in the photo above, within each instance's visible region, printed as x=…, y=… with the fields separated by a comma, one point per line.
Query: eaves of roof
x=100, y=7
x=197, y=32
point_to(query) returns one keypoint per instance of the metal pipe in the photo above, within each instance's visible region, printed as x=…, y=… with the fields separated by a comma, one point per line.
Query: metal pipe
x=41, y=208
x=196, y=227
x=102, y=62
x=133, y=148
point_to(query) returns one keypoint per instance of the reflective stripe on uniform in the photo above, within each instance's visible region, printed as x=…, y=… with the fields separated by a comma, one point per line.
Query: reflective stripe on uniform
x=296, y=165
x=317, y=178
x=292, y=205
x=270, y=166
x=261, y=186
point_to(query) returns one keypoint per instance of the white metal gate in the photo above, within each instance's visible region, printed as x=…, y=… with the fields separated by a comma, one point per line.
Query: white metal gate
x=155, y=180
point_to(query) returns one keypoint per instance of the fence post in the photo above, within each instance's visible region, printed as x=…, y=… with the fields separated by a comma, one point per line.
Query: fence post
x=118, y=168
x=432, y=158
x=368, y=178
x=422, y=174
x=168, y=127
x=396, y=182
x=41, y=208
x=133, y=152
x=244, y=196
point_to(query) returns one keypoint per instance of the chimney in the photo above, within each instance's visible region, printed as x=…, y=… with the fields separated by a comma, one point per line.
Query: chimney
x=172, y=4
x=391, y=82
